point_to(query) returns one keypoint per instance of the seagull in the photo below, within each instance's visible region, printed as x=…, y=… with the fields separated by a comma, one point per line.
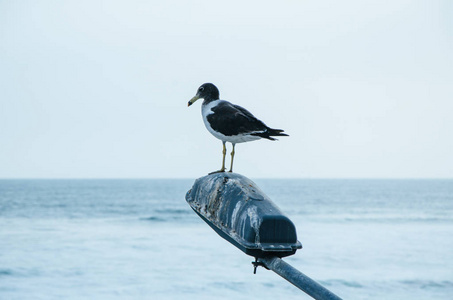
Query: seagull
x=229, y=122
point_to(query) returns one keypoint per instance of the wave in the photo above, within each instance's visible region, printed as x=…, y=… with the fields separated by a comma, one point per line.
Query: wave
x=378, y=218
x=174, y=211
x=347, y=283
x=427, y=284
x=6, y=272
x=169, y=215
x=153, y=219
x=20, y=272
x=403, y=284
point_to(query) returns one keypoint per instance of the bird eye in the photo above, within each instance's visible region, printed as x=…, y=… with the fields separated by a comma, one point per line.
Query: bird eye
x=201, y=89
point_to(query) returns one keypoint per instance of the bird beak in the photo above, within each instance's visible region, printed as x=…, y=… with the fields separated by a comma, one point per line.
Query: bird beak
x=192, y=101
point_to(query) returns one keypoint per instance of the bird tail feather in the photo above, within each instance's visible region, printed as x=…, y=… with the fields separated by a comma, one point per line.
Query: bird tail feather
x=269, y=133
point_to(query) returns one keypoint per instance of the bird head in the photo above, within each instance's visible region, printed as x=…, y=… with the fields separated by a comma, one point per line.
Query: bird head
x=206, y=91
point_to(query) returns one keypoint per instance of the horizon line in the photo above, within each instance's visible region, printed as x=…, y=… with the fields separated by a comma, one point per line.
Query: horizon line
x=192, y=178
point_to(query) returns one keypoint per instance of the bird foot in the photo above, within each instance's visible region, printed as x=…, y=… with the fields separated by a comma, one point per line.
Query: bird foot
x=215, y=172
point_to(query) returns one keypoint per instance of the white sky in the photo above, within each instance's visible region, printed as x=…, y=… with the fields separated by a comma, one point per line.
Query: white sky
x=99, y=89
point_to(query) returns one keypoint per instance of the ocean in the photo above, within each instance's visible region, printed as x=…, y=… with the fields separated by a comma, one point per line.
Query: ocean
x=139, y=239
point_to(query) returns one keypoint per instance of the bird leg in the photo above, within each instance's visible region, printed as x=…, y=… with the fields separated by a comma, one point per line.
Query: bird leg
x=223, y=158
x=223, y=161
x=232, y=157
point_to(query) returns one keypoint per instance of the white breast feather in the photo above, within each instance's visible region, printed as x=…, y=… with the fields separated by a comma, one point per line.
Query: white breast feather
x=241, y=138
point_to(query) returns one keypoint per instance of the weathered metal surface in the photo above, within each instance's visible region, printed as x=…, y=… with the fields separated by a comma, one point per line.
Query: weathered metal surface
x=240, y=212
x=298, y=278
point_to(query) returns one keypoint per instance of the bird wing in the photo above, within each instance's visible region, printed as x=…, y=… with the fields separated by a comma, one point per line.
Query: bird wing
x=230, y=119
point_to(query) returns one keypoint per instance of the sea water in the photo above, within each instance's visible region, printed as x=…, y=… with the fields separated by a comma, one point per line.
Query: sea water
x=139, y=239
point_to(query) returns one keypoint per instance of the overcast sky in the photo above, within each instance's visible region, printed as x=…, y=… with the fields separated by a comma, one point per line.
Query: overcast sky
x=99, y=89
